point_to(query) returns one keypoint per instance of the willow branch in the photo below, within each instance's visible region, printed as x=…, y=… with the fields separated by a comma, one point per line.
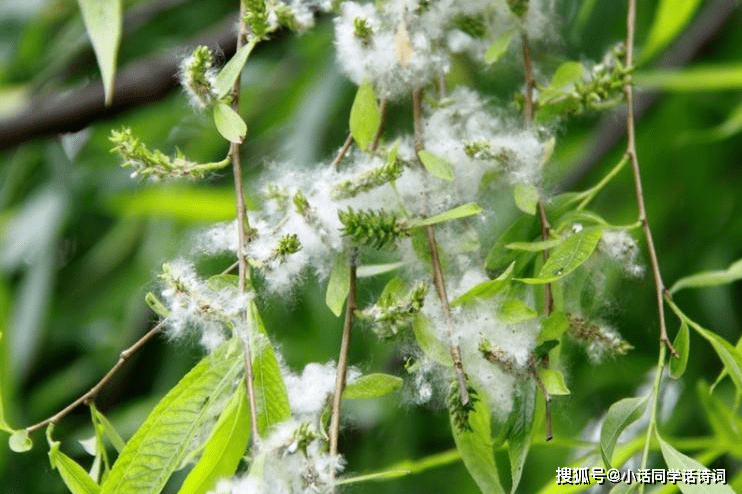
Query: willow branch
x=343, y=151
x=242, y=225
x=439, y=280
x=93, y=392
x=631, y=153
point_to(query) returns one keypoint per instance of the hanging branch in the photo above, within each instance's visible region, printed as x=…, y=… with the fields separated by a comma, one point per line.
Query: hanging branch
x=438, y=279
x=631, y=153
x=90, y=395
x=242, y=226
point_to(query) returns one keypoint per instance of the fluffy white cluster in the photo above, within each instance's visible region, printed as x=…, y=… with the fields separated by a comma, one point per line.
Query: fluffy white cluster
x=308, y=392
x=622, y=248
x=401, y=44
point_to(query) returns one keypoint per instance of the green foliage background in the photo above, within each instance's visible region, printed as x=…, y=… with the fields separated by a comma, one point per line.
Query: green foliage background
x=90, y=241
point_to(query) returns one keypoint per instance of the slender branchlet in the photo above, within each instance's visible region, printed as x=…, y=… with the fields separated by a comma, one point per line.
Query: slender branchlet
x=243, y=226
x=90, y=395
x=343, y=151
x=342, y=369
x=439, y=280
x=631, y=152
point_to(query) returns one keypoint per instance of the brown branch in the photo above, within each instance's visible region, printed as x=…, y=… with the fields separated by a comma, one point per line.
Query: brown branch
x=343, y=151
x=438, y=278
x=342, y=369
x=242, y=226
x=93, y=392
x=631, y=152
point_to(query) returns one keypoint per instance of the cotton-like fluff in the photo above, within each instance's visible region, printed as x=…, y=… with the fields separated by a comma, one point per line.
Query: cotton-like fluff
x=308, y=392
x=622, y=248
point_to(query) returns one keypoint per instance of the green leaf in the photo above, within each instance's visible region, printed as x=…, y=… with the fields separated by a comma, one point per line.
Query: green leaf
x=74, y=476
x=704, y=78
x=486, y=289
x=468, y=209
x=499, y=47
x=724, y=421
x=519, y=435
x=339, y=284
x=620, y=415
x=157, y=306
x=370, y=270
x=271, y=397
x=553, y=327
x=365, y=116
x=229, y=123
x=514, y=311
x=682, y=346
x=20, y=442
x=567, y=74
x=476, y=448
x=498, y=258
x=372, y=386
x=102, y=20
x=526, y=197
x=374, y=477
x=730, y=356
x=677, y=460
x=536, y=246
x=728, y=128
x=671, y=17
x=553, y=382
x=710, y=278
x=430, y=345
x=568, y=256
x=225, y=447
x=436, y=166
x=116, y=440
x=226, y=78
x=171, y=431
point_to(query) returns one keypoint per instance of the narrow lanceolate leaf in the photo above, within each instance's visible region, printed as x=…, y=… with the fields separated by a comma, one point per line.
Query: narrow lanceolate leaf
x=430, y=345
x=486, y=289
x=370, y=270
x=372, y=386
x=553, y=382
x=710, y=278
x=339, y=285
x=74, y=476
x=271, y=397
x=228, y=75
x=225, y=447
x=229, y=123
x=514, y=311
x=468, y=209
x=682, y=346
x=728, y=128
x=730, y=356
x=365, y=116
x=568, y=256
x=476, y=448
x=620, y=415
x=670, y=19
x=519, y=436
x=526, y=197
x=499, y=47
x=536, y=246
x=678, y=461
x=102, y=20
x=170, y=432
x=116, y=440
x=700, y=78
x=436, y=166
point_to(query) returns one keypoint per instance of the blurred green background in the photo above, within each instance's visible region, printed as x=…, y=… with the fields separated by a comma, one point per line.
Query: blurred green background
x=81, y=243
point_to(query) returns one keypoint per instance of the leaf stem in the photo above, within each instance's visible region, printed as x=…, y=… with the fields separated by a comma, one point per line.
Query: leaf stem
x=343, y=151
x=588, y=195
x=93, y=392
x=631, y=153
x=242, y=225
x=438, y=278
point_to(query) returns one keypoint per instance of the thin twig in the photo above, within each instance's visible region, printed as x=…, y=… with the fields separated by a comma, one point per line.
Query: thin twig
x=93, y=392
x=342, y=370
x=438, y=278
x=631, y=152
x=242, y=225
x=383, y=110
x=343, y=151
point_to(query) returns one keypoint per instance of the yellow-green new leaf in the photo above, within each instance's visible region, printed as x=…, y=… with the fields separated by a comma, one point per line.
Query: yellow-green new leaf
x=710, y=278
x=372, y=386
x=476, y=448
x=20, y=442
x=74, y=476
x=430, y=345
x=620, y=415
x=682, y=346
x=553, y=327
x=365, y=116
x=339, y=285
x=670, y=19
x=468, y=209
x=567, y=74
x=229, y=123
x=526, y=197
x=536, y=246
x=514, y=311
x=568, y=256
x=499, y=47
x=225, y=447
x=486, y=289
x=102, y=20
x=436, y=166
x=678, y=461
x=172, y=430
x=700, y=78
x=553, y=382
x=228, y=75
